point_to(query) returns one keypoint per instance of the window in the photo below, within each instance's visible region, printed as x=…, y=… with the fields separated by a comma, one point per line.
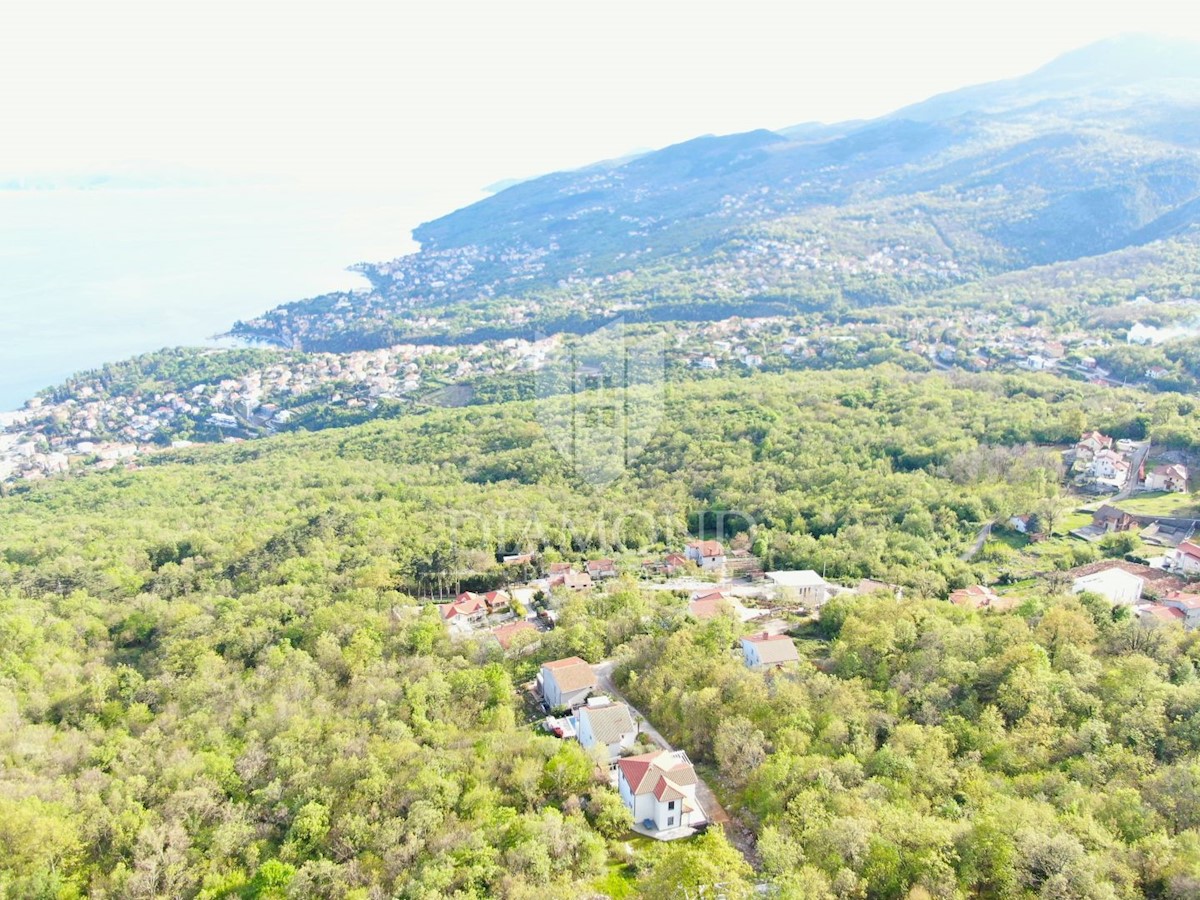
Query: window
x=671, y=805
x=670, y=821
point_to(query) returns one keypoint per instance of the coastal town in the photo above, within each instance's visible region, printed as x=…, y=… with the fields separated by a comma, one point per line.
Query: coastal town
x=92, y=423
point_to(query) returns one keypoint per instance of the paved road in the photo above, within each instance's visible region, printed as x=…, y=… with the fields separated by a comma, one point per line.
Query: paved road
x=969, y=554
x=1135, y=466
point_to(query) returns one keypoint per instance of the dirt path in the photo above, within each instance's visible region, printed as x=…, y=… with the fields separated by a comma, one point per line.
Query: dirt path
x=980, y=539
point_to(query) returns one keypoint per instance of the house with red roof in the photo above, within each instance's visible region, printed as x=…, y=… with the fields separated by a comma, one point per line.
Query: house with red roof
x=497, y=601
x=1185, y=559
x=1092, y=442
x=1172, y=478
x=465, y=612
x=601, y=568
x=1157, y=614
x=979, y=597
x=1186, y=604
x=708, y=604
x=659, y=789
x=668, y=565
x=517, y=637
x=706, y=554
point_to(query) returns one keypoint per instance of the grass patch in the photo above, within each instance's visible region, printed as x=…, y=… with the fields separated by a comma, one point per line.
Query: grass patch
x=620, y=877
x=1073, y=521
x=618, y=882
x=1013, y=539
x=1162, y=503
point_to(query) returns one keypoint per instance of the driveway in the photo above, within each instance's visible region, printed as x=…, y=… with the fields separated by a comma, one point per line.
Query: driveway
x=708, y=800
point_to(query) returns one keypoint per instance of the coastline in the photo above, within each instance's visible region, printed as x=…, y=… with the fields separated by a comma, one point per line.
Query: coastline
x=97, y=276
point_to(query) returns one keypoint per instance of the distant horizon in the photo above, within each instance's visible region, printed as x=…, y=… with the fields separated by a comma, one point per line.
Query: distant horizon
x=127, y=175
x=454, y=140
x=468, y=95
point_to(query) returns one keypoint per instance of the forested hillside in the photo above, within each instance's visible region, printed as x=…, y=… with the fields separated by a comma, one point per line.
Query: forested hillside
x=221, y=675
x=1093, y=154
x=224, y=672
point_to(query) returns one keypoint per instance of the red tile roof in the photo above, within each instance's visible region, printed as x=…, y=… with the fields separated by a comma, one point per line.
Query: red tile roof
x=1183, y=599
x=708, y=606
x=1189, y=548
x=708, y=549
x=505, y=633
x=1166, y=613
x=644, y=773
x=465, y=604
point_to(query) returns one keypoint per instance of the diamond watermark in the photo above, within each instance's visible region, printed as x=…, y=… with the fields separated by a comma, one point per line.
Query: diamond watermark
x=600, y=399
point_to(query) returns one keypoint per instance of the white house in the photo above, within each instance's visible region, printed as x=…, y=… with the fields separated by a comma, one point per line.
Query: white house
x=566, y=682
x=1185, y=603
x=660, y=790
x=1168, y=478
x=1120, y=587
x=802, y=586
x=1108, y=465
x=465, y=613
x=706, y=554
x=607, y=725
x=768, y=650
x=1093, y=442
x=1185, y=558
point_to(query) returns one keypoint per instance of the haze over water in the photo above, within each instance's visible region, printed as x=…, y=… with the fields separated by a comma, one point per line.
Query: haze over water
x=94, y=276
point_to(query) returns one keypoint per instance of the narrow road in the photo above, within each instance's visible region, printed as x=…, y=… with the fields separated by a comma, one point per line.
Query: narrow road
x=713, y=809
x=1135, y=466
x=969, y=554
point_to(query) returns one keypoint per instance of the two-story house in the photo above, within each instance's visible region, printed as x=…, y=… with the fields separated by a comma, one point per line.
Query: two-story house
x=566, y=682
x=1185, y=559
x=607, y=726
x=706, y=554
x=659, y=789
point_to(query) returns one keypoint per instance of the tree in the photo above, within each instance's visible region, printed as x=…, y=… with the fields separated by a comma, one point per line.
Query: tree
x=739, y=747
x=708, y=866
x=608, y=814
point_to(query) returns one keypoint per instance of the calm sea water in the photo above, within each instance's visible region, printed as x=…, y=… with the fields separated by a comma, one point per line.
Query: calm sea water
x=92, y=276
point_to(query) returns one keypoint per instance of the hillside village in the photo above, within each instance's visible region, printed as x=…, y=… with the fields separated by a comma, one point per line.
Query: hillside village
x=575, y=699
x=88, y=425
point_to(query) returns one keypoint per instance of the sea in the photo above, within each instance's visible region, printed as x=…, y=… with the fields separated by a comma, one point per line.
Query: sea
x=95, y=275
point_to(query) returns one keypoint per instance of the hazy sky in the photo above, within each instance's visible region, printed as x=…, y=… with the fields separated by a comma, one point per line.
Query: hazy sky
x=447, y=94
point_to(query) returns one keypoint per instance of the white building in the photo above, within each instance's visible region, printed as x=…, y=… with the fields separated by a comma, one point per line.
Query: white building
x=764, y=650
x=607, y=725
x=1168, y=478
x=1120, y=587
x=706, y=554
x=1185, y=603
x=1185, y=558
x=1108, y=465
x=566, y=682
x=659, y=789
x=802, y=586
